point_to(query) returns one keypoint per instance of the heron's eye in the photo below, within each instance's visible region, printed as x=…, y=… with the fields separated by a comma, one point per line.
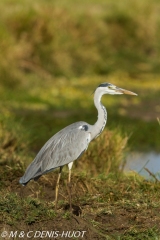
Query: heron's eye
x=110, y=87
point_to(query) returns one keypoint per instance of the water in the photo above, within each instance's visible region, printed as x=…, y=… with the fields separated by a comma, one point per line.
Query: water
x=137, y=161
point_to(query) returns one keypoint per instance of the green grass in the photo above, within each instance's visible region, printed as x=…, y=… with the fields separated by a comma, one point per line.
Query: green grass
x=29, y=210
x=123, y=207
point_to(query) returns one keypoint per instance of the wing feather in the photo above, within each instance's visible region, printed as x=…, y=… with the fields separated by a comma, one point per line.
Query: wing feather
x=61, y=149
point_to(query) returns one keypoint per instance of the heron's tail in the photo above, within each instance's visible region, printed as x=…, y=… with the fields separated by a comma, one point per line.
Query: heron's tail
x=22, y=181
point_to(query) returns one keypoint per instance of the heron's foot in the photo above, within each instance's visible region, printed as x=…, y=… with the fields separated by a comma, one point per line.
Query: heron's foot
x=74, y=209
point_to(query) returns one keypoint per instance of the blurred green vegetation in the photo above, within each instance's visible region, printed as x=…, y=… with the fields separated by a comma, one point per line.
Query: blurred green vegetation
x=54, y=53
x=68, y=38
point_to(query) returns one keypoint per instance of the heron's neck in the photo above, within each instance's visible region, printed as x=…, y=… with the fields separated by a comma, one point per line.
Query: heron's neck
x=102, y=115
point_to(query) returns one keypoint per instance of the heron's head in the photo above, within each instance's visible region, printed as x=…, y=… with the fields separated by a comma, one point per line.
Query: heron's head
x=108, y=88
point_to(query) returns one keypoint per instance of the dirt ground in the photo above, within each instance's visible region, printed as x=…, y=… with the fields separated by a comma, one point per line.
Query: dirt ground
x=102, y=209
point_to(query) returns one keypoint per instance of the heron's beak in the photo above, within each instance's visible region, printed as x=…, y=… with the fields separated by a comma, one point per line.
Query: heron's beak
x=124, y=91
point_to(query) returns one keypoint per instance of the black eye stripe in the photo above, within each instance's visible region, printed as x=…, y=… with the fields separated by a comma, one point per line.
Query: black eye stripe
x=104, y=85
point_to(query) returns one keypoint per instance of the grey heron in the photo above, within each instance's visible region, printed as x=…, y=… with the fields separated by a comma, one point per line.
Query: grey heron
x=71, y=142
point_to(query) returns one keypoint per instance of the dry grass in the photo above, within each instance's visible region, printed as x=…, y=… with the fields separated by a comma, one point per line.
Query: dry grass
x=105, y=154
x=111, y=208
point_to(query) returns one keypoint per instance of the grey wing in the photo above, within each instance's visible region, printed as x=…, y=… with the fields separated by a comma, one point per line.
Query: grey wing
x=63, y=148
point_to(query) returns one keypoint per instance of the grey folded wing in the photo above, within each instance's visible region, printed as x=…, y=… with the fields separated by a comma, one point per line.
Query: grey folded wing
x=61, y=149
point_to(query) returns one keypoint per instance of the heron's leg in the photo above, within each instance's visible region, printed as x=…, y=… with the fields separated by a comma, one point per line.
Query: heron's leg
x=57, y=187
x=69, y=183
